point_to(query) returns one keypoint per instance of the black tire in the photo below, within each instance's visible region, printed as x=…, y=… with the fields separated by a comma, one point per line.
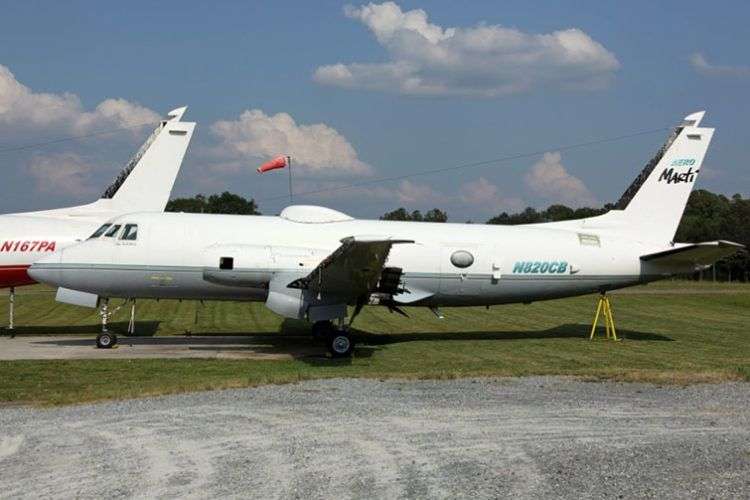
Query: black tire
x=340, y=344
x=106, y=340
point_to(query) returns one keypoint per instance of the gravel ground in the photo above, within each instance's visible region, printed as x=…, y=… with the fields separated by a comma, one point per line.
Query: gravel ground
x=532, y=437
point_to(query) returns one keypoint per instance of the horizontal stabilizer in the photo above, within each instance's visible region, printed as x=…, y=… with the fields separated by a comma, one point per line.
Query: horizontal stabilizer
x=696, y=254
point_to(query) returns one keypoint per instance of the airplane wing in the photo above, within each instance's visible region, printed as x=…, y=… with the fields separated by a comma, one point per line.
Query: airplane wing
x=699, y=254
x=352, y=270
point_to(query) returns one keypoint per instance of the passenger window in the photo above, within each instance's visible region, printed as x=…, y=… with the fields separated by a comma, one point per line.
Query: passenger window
x=226, y=263
x=130, y=232
x=113, y=232
x=100, y=231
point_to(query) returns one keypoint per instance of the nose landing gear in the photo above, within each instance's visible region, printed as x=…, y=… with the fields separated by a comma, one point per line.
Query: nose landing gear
x=105, y=340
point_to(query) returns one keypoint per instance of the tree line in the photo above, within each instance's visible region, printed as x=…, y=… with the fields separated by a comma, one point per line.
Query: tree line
x=708, y=216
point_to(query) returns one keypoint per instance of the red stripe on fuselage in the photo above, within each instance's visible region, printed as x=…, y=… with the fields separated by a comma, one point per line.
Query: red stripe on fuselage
x=15, y=276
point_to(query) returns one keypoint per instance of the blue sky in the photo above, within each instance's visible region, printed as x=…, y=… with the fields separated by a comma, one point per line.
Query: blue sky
x=336, y=86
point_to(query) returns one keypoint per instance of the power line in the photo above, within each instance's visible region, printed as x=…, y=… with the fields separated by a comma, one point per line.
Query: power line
x=482, y=163
x=71, y=138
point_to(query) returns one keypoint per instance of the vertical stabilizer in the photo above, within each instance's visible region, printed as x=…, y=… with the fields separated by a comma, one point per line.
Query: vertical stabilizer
x=146, y=182
x=653, y=205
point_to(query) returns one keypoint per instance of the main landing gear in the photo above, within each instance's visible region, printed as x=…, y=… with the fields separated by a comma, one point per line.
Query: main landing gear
x=337, y=339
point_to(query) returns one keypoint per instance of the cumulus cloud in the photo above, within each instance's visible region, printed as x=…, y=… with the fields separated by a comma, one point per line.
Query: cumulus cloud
x=21, y=107
x=549, y=179
x=484, y=60
x=700, y=63
x=482, y=193
x=65, y=173
x=412, y=192
x=317, y=147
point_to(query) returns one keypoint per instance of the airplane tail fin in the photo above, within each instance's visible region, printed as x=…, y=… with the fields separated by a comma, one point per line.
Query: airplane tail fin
x=653, y=204
x=147, y=180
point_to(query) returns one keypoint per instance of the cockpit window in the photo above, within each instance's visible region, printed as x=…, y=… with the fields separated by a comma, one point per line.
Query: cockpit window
x=130, y=233
x=100, y=231
x=113, y=231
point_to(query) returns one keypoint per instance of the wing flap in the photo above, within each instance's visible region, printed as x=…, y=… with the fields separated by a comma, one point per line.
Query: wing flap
x=698, y=254
x=352, y=270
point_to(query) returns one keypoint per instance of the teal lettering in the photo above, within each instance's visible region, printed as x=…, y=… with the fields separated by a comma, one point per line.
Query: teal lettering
x=545, y=267
x=535, y=269
x=553, y=267
x=518, y=268
x=563, y=267
x=527, y=267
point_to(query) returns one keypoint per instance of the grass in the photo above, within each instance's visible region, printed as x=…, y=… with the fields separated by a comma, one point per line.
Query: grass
x=675, y=332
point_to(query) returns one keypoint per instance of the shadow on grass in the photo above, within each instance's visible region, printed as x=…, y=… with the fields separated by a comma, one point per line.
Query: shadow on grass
x=294, y=340
x=558, y=332
x=142, y=329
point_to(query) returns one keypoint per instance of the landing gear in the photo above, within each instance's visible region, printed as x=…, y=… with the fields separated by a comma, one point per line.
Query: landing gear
x=340, y=344
x=106, y=340
x=338, y=341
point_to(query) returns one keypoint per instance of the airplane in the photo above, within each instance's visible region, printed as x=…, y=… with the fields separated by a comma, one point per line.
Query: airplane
x=312, y=262
x=143, y=185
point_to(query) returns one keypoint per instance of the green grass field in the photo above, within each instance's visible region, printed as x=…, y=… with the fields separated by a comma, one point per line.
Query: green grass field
x=674, y=332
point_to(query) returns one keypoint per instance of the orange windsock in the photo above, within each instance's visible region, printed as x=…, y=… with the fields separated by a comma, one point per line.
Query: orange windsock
x=278, y=162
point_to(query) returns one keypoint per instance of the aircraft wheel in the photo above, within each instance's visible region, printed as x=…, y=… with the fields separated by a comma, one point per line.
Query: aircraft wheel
x=106, y=340
x=340, y=344
x=321, y=329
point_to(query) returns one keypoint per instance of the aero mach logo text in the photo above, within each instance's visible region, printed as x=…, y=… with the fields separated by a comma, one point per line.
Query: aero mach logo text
x=27, y=246
x=672, y=176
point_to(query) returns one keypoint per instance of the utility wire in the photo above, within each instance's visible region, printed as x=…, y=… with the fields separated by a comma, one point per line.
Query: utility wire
x=482, y=163
x=70, y=138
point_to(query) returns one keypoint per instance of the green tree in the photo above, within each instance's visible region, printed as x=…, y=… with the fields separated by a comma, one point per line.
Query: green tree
x=434, y=215
x=224, y=203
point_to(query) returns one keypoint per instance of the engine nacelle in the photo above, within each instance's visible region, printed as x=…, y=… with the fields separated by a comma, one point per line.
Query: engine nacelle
x=298, y=303
x=286, y=302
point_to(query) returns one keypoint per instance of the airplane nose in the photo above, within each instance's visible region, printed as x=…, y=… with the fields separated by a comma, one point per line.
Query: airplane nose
x=47, y=270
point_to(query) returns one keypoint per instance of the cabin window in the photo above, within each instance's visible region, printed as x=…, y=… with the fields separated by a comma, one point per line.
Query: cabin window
x=130, y=232
x=226, y=262
x=100, y=231
x=113, y=231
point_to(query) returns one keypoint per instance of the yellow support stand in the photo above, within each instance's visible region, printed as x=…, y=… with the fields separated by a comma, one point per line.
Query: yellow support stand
x=604, y=308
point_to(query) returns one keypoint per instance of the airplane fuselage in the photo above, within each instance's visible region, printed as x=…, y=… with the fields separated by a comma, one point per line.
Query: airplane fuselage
x=179, y=256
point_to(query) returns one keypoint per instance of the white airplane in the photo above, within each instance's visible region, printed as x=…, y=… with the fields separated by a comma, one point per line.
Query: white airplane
x=312, y=262
x=143, y=185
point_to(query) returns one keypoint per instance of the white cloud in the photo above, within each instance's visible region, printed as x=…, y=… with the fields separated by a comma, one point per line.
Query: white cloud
x=23, y=108
x=412, y=192
x=700, y=64
x=484, y=60
x=65, y=173
x=317, y=147
x=486, y=195
x=549, y=179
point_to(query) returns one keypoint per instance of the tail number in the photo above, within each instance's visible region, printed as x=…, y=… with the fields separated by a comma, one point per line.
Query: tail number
x=540, y=267
x=27, y=246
